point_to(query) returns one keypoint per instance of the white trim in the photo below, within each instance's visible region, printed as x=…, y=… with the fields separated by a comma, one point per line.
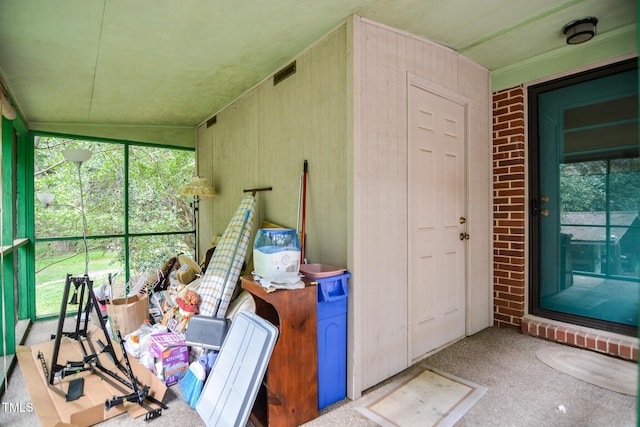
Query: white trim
x=573, y=71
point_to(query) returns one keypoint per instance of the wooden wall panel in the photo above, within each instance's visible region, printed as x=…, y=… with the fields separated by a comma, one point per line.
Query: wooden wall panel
x=475, y=84
x=380, y=244
x=345, y=111
x=263, y=138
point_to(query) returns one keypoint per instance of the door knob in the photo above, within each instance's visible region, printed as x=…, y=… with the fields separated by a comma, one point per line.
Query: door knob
x=544, y=212
x=463, y=220
x=464, y=236
x=544, y=199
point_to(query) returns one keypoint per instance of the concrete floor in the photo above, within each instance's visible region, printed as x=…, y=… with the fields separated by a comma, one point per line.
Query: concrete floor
x=522, y=391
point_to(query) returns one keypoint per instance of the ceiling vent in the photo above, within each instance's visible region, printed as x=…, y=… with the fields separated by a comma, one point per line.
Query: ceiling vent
x=287, y=71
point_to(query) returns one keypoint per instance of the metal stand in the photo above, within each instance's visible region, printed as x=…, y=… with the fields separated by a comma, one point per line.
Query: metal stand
x=86, y=301
x=91, y=360
x=139, y=395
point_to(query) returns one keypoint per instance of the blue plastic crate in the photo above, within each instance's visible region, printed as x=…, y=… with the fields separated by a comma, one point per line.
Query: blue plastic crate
x=332, y=339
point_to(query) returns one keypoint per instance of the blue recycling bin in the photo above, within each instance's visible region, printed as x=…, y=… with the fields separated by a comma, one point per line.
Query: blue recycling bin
x=332, y=339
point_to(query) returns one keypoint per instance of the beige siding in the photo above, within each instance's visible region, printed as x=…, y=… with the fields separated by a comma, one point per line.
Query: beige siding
x=345, y=111
x=262, y=139
x=383, y=57
x=474, y=84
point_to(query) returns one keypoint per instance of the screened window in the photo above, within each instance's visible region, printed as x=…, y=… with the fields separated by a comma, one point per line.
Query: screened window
x=135, y=217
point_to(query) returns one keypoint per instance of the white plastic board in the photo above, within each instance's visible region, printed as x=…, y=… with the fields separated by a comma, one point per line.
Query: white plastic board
x=232, y=386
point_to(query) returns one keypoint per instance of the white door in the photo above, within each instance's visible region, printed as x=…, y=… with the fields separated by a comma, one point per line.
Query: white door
x=437, y=211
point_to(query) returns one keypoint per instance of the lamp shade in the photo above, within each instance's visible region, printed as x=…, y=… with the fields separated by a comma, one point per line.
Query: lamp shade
x=77, y=155
x=198, y=187
x=45, y=198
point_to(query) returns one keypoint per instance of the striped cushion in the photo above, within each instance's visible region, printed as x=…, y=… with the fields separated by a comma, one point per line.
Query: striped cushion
x=222, y=273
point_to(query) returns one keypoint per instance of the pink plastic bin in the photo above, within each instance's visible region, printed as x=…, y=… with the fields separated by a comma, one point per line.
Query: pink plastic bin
x=320, y=271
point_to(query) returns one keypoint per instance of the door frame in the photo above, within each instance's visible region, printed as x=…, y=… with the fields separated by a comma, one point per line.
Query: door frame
x=533, y=176
x=422, y=83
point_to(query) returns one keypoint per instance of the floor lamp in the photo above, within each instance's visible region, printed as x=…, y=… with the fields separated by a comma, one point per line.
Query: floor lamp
x=198, y=187
x=79, y=156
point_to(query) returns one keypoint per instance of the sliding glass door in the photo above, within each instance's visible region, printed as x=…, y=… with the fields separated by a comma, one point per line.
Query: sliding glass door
x=585, y=201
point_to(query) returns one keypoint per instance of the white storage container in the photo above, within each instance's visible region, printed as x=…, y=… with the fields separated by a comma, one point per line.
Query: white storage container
x=276, y=253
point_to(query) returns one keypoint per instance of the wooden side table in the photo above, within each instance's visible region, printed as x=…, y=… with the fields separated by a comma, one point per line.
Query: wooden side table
x=289, y=393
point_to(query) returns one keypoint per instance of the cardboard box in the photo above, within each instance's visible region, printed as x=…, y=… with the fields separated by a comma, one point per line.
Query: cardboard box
x=170, y=355
x=50, y=403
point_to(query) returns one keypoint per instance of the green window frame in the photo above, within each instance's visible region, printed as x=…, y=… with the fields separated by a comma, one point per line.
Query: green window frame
x=129, y=233
x=14, y=236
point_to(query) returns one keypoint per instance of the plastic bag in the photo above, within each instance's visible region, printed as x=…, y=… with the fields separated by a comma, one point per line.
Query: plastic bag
x=137, y=342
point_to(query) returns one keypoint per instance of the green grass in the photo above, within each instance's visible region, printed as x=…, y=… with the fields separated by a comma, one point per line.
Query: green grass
x=50, y=281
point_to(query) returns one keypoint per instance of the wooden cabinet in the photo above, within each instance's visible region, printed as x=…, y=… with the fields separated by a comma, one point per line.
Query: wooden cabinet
x=289, y=393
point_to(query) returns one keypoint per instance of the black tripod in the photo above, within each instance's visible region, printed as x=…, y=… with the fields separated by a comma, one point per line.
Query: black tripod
x=85, y=298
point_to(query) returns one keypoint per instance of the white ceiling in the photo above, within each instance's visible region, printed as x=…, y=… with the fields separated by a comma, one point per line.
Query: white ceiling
x=175, y=63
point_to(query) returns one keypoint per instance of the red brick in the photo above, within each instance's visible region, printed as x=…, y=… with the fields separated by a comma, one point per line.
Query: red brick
x=504, y=251
x=511, y=116
x=500, y=288
x=625, y=351
x=497, y=96
x=550, y=332
x=561, y=334
x=499, y=112
x=511, y=162
x=571, y=337
x=514, y=313
x=509, y=207
x=518, y=290
x=510, y=282
x=517, y=305
x=509, y=146
x=517, y=95
x=510, y=297
x=591, y=342
x=511, y=131
x=517, y=123
x=501, y=318
x=580, y=339
x=510, y=223
x=613, y=347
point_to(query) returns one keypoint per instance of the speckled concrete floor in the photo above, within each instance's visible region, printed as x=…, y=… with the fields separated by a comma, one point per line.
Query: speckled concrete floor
x=522, y=391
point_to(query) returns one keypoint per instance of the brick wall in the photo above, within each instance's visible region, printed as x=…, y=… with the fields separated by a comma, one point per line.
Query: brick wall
x=508, y=207
x=509, y=238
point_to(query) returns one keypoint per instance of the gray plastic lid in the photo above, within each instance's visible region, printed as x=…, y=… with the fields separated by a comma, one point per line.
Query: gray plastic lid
x=232, y=386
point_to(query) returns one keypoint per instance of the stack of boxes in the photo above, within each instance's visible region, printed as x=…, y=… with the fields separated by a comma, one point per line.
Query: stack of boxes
x=170, y=356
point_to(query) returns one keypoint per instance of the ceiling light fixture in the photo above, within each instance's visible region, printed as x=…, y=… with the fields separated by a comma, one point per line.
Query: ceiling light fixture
x=581, y=30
